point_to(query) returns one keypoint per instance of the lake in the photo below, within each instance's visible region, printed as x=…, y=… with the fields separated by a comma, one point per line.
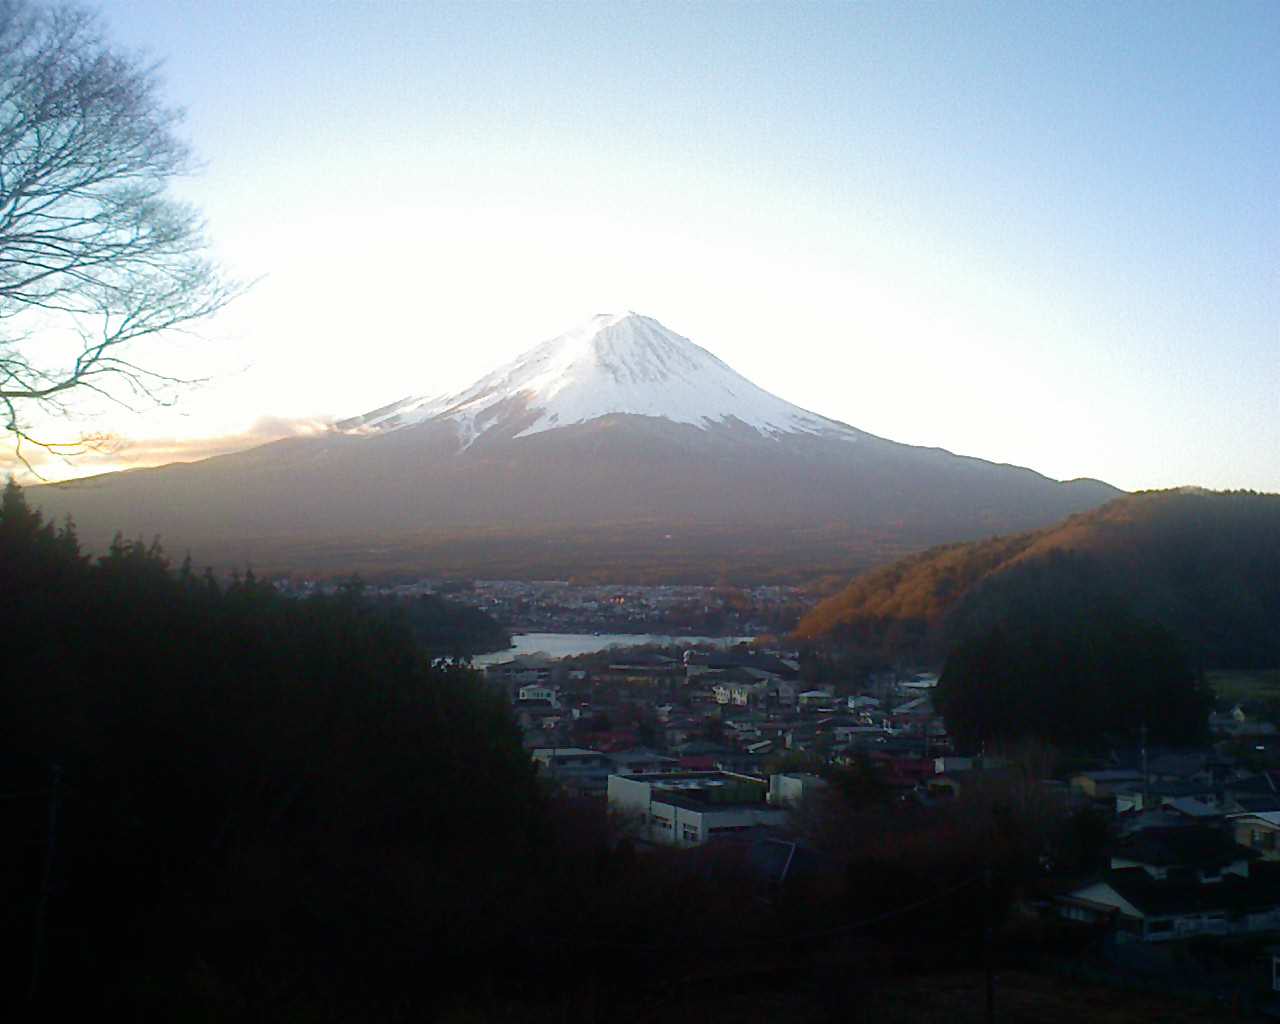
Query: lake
x=564, y=645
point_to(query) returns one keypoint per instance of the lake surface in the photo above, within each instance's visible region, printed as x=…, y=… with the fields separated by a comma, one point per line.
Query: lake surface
x=564, y=645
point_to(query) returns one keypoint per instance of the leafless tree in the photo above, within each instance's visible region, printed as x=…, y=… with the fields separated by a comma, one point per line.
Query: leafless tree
x=93, y=254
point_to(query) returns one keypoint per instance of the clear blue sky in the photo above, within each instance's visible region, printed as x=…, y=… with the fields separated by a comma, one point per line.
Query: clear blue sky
x=1046, y=234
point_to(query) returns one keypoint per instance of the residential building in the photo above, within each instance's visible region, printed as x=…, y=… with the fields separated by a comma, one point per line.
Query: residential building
x=1174, y=883
x=692, y=808
x=540, y=691
x=1258, y=832
x=790, y=788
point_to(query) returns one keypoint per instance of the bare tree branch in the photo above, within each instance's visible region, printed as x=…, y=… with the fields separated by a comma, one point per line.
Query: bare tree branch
x=90, y=244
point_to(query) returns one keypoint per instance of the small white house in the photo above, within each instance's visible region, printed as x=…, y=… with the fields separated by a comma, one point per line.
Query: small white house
x=540, y=691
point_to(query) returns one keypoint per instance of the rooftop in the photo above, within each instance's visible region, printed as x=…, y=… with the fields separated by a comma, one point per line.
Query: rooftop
x=1188, y=846
x=1233, y=893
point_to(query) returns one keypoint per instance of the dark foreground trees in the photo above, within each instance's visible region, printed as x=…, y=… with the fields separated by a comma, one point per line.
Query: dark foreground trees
x=93, y=253
x=218, y=799
x=1076, y=678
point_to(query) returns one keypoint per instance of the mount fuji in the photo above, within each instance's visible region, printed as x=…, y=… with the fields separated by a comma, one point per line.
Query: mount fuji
x=619, y=449
x=621, y=364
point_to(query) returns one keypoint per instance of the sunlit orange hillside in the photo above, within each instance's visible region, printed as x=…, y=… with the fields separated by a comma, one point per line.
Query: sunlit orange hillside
x=1206, y=564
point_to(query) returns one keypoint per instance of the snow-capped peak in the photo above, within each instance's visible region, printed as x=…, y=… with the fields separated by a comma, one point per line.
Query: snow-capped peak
x=614, y=363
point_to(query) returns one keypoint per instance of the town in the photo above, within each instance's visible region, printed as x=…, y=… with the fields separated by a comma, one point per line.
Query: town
x=706, y=748
x=564, y=607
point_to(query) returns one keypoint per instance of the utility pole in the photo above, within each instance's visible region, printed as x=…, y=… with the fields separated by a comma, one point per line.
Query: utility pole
x=1146, y=778
x=988, y=914
x=46, y=882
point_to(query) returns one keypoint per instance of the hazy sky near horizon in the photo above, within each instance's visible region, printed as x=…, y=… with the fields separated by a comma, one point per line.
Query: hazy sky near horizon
x=1044, y=234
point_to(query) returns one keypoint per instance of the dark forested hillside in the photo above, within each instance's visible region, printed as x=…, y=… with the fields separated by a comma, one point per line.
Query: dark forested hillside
x=1204, y=565
x=443, y=629
x=214, y=792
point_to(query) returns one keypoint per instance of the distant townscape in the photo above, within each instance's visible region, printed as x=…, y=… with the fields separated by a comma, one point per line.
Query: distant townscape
x=559, y=607
x=1138, y=846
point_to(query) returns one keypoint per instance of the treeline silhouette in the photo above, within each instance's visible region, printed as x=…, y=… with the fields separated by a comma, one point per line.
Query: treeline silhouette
x=443, y=629
x=224, y=804
x=1078, y=676
x=217, y=798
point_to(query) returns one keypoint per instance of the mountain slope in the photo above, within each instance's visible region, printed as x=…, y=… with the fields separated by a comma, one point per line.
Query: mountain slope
x=1206, y=565
x=619, y=435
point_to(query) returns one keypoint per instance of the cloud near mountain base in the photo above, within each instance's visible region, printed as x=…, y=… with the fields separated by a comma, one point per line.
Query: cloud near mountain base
x=112, y=454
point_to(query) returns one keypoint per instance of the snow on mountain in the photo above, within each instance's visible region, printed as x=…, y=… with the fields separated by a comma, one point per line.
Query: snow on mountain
x=614, y=363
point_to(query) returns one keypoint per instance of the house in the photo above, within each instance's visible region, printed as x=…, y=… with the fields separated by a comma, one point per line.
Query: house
x=820, y=698
x=539, y=691
x=749, y=694
x=1102, y=785
x=1140, y=796
x=642, y=761
x=902, y=769
x=1194, y=851
x=1252, y=794
x=710, y=664
x=1181, y=766
x=1258, y=832
x=742, y=728
x=644, y=667
x=519, y=671
x=611, y=740
x=1175, y=883
x=802, y=736
x=917, y=707
x=551, y=758
x=846, y=733
x=1237, y=723
x=741, y=762
x=790, y=788
x=579, y=771
x=1157, y=817
x=692, y=808
x=530, y=713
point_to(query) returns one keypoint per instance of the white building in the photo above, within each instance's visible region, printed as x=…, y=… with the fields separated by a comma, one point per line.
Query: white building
x=540, y=691
x=790, y=788
x=692, y=808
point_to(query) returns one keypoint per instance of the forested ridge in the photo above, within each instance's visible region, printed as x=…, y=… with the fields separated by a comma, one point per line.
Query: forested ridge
x=444, y=629
x=216, y=795
x=1204, y=565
